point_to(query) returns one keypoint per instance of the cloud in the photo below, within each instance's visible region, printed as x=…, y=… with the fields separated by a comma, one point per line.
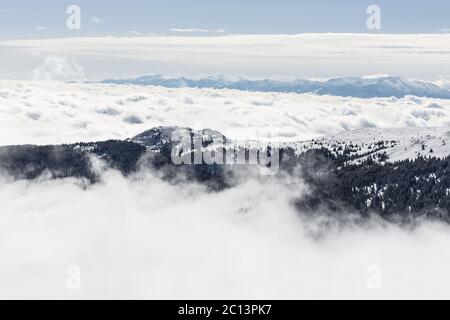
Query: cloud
x=142, y=238
x=96, y=20
x=189, y=30
x=299, y=56
x=133, y=119
x=39, y=28
x=58, y=68
x=195, y=30
x=36, y=112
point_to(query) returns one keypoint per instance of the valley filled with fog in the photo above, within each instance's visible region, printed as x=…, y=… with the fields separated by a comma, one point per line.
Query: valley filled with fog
x=141, y=236
x=41, y=112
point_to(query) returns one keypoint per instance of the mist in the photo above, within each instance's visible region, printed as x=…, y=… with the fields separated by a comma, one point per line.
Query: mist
x=143, y=238
x=54, y=112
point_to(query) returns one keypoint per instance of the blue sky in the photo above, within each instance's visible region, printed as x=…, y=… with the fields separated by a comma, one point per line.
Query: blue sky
x=46, y=18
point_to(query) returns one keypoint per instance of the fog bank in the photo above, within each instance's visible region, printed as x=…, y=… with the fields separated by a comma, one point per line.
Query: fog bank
x=143, y=238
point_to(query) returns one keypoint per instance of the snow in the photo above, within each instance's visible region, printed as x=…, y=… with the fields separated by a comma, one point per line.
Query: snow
x=365, y=87
x=399, y=144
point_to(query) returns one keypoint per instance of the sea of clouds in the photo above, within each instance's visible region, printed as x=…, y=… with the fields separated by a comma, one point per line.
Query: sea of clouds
x=51, y=112
x=141, y=237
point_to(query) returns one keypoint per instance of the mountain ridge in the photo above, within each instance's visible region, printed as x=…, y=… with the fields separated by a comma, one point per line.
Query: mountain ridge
x=359, y=87
x=341, y=179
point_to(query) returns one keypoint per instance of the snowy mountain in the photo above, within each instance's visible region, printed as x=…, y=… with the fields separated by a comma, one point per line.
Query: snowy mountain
x=157, y=138
x=388, y=145
x=367, y=87
x=380, y=144
x=360, y=171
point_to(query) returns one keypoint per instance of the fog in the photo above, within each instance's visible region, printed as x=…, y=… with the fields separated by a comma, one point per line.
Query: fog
x=56, y=112
x=141, y=237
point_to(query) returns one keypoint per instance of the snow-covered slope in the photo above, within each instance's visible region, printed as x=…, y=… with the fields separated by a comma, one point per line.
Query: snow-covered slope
x=382, y=145
x=381, y=87
x=367, y=87
x=156, y=138
x=397, y=144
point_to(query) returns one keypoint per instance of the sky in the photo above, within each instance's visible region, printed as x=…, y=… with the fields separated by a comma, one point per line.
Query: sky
x=286, y=38
x=423, y=57
x=47, y=18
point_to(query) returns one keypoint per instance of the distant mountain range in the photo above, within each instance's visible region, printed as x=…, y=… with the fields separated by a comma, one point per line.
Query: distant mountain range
x=382, y=86
x=395, y=173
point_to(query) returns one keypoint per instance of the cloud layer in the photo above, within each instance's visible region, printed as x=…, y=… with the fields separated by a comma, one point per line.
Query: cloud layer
x=143, y=238
x=55, y=112
x=302, y=56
